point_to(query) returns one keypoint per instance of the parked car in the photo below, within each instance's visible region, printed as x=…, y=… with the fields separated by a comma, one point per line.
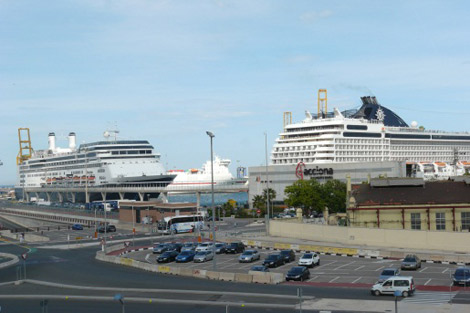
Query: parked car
x=249, y=256
x=259, y=268
x=461, y=276
x=167, y=256
x=288, y=255
x=175, y=246
x=109, y=229
x=205, y=246
x=411, y=262
x=309, y=259
x=160, y=248
x=387, y=273
x=235, y=247
x=189, y=246
x=274, y=260
x=220, y=247
x=300, y=273
x=77, y=227
x=185, y=256
x=203, y=256
x=404, y=284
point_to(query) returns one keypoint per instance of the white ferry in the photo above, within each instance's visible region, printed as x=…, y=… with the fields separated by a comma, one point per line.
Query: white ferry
x=109, y=162
x=373, y=133
x=202, y=177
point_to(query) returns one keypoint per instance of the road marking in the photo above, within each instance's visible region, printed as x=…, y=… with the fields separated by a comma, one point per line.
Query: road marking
x=337, y=277
x=379, y=268
x=313, y=278
x=325, y=264
x=445, y=270
x=360, y=267
x=356, y=280
x=422, y=270
x=429, y=280
x=344, y=265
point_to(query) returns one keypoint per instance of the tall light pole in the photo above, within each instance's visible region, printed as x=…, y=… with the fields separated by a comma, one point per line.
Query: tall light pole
x=267, y=182
x=214, y=262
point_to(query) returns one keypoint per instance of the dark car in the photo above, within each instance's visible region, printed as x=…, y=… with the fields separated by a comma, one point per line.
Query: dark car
x=109, y=229
x=220, y=247
x=411, y=262
x=288, y=255
x=160, y=248
x=175, y=246
x=77, y=227
x=189, y=246
x=461, y=276
x=168, y=256
x=259, y=268
x=300, y=273
x=235, y=247
x=273, y=260
x=185, y=256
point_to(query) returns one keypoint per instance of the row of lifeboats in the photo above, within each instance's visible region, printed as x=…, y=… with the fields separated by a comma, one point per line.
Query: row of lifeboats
x=439, y=170
x=70, y=179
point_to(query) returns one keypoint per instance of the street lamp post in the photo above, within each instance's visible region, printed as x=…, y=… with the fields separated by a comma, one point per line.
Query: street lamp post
x=267, y=182
x=214, y=262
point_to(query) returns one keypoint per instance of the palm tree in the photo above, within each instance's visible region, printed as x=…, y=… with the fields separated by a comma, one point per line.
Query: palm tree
x=272, y=195
x=258, y=201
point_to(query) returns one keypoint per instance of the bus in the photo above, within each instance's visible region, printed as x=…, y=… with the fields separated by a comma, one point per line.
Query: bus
x=181, y=224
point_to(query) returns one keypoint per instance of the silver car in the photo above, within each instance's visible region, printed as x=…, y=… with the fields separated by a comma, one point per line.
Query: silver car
x=205, y=246
x=411, y=262
x=203, y=256
x=249, y=256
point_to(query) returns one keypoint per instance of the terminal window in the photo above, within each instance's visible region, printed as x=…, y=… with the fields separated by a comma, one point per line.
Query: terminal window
x=415, y=220
x=440, y=221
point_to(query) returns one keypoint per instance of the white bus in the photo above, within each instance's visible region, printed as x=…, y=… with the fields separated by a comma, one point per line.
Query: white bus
x=181, y=224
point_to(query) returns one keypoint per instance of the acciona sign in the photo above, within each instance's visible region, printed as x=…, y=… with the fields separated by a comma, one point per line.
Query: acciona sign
x=316, y=172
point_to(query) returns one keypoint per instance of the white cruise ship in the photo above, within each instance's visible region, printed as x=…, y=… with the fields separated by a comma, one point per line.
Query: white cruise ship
x=202, y=177
x=372, y=134
x=109, y=162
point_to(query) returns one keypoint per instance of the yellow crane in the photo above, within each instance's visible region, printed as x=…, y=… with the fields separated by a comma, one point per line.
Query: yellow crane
x=25, y=146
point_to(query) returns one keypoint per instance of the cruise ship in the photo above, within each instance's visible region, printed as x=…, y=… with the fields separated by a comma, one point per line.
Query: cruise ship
x=202, y=177
x=110, y=162
x=373, y=133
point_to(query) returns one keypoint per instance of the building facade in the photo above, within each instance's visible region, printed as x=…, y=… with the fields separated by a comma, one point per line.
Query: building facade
x=411, y=204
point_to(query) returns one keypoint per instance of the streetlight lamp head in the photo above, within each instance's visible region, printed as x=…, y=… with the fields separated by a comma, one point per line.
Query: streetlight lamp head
x=210, y=134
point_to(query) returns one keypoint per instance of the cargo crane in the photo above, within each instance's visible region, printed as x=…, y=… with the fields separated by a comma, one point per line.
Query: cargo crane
x=25, y=146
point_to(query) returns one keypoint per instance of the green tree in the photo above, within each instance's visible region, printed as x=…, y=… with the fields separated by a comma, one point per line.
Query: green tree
x=258, y=201
x=272, y=196
x=334, y=193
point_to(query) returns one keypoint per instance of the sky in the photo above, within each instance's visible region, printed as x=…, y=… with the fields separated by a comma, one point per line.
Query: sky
x=167, y=71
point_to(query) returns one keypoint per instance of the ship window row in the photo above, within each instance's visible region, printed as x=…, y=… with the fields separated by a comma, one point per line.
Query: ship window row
x=117, y=142
x=62, y=168
x=359, y=159
x=120, y=148
x=308, y=136
x=372, y=141
x=355, y=147
x=314, y=128
x=428, y=147
x=131, y=152
x=361, y=153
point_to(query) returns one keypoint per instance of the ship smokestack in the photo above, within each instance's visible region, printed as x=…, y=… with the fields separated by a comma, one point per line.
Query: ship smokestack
x=72, y=141
x=52, y=141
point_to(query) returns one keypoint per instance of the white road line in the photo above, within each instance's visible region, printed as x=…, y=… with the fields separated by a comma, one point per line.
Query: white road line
x=334, y=279
x=422, y=270
x=313, y=278
x=360, y=267
x=379, y=268
x=429, y=280
x=344, y=265
x=356, y=280
x=325, y=264
x=445, y=270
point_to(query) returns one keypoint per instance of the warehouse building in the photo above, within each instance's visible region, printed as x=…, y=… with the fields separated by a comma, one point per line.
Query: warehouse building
x=407, y=203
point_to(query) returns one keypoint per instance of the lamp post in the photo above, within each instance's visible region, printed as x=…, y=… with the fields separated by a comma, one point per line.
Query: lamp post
x=214, y=262
x=267, y=182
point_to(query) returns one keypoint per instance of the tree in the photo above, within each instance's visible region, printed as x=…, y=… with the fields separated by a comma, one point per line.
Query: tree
x=311, y=195
x=258, y=202
x=272, y=196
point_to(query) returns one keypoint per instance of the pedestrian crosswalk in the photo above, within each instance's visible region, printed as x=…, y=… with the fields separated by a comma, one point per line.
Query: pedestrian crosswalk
x=422, y=297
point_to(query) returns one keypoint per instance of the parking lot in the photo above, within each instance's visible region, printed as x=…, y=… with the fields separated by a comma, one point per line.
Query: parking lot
x=332, y=269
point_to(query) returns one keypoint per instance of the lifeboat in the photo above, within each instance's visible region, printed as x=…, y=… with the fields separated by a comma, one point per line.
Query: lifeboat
x=194, y=170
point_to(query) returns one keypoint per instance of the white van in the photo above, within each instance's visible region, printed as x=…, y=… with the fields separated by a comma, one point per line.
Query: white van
x=404, y=284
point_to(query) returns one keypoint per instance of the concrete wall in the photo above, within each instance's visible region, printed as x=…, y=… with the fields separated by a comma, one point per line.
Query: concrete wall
x=386, y=238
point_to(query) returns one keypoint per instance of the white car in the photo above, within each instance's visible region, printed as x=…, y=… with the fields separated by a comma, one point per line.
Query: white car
x=205, y=246
x=249, y=256
x=403, y=285
x=309, y=259
x=203, y=256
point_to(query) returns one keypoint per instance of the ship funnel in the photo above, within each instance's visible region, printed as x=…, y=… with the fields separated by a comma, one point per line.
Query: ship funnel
x=51, y=141
x=72, y=141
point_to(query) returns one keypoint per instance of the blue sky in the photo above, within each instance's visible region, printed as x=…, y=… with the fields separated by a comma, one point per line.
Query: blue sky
x=167, y=71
